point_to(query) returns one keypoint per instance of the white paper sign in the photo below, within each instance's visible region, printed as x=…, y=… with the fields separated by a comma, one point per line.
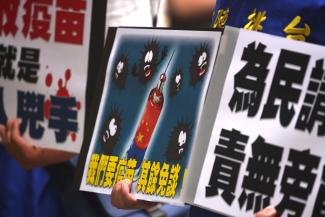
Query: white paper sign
x=267, y=145
x=43, y=69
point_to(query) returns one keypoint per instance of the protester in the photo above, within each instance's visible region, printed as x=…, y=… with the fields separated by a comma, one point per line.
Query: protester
x=28, y=192
x=294, y=20
x=41, y=177
x=123, y=199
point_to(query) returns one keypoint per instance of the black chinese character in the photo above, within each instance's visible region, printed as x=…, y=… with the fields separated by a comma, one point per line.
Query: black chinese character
x=297, y=182
x=319, y=208
x=29, y=65
x=31, y=110
x=7, y=56
x=313, y=109
x=63, y=116
x=263, y=170
x=230, y=155
x=251, y=78
x=290, y=71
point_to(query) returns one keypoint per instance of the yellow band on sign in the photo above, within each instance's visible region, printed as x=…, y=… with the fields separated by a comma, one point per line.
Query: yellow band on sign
x=158, y=178
x=105, y=171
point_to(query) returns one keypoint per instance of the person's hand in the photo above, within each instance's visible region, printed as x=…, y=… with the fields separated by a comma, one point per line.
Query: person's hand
x=266, y=212
x=28, y=155
x=122, y=198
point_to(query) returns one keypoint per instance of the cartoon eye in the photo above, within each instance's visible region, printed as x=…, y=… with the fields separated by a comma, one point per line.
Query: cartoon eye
x=106, y=136
x=120, y=67
x=112, y=127
x=178, y=78
x=182, y=138
x=148, y=56
x=202, y=58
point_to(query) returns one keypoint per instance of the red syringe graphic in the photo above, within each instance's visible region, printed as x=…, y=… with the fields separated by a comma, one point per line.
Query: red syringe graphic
x=148, y=121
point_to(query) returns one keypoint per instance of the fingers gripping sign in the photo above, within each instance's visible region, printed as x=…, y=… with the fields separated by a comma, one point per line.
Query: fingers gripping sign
x=122, y=197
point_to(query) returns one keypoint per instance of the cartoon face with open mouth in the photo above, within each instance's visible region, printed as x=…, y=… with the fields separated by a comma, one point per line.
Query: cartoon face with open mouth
x=178, y=142
x=120, y=71
x=176, y=82
x=202, y=64
x=149, y=61
x=147, y=69
x=181, y=141
x=199, y=64
x=111, y=131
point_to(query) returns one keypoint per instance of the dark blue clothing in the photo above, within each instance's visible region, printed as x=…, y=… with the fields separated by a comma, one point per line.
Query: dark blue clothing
x=45, y=191
x=279, y=13
x=26, y=193
x=198, y=212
